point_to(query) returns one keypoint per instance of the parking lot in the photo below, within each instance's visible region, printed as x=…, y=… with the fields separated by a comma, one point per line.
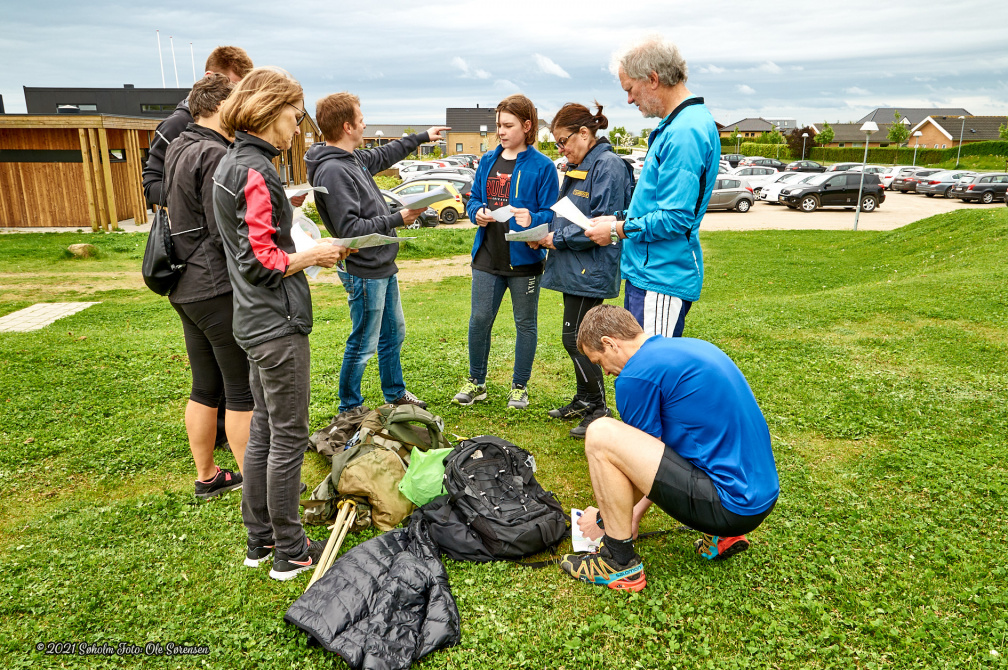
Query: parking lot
x=898, y=210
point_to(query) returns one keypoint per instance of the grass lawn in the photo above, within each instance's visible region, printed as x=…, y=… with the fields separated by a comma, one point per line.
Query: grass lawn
x=880, y=360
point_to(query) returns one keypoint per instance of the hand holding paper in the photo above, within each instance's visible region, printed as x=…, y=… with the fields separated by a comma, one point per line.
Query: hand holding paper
x=530, y=235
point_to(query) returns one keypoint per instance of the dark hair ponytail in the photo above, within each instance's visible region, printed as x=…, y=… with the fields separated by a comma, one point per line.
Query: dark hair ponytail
x=574, y=115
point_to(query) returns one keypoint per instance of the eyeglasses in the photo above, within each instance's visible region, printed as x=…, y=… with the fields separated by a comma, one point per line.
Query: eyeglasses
x=561, y=143
x=302, y=113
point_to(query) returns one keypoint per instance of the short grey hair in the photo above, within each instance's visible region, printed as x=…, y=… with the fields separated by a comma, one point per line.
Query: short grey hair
x=654, y=54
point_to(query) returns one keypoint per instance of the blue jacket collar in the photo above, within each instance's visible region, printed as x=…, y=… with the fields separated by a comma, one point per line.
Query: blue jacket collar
x=696, y=100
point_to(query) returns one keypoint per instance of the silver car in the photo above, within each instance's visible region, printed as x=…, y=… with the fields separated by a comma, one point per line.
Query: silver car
x=942, y=183
x=731, y=192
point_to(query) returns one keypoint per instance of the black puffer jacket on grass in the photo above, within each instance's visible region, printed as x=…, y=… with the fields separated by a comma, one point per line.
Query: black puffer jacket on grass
x=386, y=603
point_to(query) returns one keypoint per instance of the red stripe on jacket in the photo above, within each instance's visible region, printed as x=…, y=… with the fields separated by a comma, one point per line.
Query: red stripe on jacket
x=259, y=219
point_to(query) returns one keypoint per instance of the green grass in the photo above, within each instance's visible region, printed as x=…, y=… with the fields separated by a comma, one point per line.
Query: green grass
x=879, y=359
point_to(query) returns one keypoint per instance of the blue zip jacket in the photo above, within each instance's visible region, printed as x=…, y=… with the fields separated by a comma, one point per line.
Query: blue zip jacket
x=600, y=184
x=662, y=250
x=534, y=186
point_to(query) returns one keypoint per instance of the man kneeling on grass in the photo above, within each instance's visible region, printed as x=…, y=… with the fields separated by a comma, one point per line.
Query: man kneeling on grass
x=694, y=440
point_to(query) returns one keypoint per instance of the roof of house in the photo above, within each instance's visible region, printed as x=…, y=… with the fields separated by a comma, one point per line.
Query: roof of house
x=851, y=132
x=751, y=125
x=913, y=115
x=470, y=119
x=972, y=128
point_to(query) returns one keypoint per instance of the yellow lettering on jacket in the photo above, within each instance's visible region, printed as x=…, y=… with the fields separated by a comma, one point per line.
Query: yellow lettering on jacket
x=583, y=194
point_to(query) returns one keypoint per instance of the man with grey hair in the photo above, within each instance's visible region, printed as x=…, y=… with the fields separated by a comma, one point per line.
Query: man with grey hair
x=662, y=261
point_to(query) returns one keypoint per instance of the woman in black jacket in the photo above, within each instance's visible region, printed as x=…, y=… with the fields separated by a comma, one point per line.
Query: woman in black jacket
x=598, y=182
x=272, y=312
x=202, y=297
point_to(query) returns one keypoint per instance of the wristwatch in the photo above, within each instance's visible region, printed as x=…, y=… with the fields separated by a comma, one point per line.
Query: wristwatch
x=613, y=235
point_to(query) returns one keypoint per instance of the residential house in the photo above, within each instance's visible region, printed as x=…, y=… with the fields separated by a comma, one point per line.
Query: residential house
x=153, y=103
x=850, y=135
x=382, y=133
x=473, y=130
x=944, y=131
x=748, y=128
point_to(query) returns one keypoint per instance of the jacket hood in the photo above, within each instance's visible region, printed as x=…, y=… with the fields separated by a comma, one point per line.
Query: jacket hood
x=319, y=152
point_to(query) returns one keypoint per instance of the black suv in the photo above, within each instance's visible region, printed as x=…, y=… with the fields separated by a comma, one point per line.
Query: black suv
x=733, y=159
x=770, y=162
x=835, y=190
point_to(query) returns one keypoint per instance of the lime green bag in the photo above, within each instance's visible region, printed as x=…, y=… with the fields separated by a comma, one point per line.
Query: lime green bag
x=424, y=479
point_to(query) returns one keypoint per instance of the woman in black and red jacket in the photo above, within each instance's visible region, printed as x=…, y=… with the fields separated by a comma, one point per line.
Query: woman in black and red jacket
x=272, y=312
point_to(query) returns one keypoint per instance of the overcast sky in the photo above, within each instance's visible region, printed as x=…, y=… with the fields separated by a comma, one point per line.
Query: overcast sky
x=409, y=60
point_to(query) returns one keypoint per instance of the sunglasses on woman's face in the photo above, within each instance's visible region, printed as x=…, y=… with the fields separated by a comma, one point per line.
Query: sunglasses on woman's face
x=302, y=113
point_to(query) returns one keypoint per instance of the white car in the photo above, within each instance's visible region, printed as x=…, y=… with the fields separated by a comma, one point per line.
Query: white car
x=772, y=189
x=409, y=170
x=756, y=175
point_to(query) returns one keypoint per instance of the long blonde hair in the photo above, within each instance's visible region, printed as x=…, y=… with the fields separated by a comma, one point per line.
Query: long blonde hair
x=256, y=102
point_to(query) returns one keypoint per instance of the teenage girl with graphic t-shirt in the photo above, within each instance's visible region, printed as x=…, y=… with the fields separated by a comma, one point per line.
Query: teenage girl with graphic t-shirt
x=514, y=174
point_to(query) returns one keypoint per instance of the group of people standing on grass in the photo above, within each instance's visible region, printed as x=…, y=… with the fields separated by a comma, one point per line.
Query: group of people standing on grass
x=246, y=306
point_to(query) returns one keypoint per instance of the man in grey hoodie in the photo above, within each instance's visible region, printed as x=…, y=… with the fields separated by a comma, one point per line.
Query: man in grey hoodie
x=355, y=206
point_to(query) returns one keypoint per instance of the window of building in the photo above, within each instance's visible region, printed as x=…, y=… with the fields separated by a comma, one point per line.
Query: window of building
x=943, y=146
x=81, y=107
x=842, y=145
x=458, y=148
x=482, y=147
x=156, y=109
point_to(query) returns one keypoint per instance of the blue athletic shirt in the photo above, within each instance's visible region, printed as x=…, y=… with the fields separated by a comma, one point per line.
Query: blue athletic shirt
x=691, y=396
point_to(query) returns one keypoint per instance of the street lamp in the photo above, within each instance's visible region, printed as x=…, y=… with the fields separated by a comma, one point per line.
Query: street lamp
x=868, y=128
x=378, y=135
x=917, y=137
x=804, y=136
x=958, y=153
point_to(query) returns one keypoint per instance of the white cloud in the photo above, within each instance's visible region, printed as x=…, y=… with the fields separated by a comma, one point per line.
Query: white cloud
x=712, y=69
x=549, y=67
x=770, y=67
x=745, y=90
x=855, y=90
x=507, y=85
x=469, y=72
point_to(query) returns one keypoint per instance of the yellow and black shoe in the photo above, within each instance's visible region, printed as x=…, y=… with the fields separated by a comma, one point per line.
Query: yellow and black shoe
x=716, y=548
x=600, y=568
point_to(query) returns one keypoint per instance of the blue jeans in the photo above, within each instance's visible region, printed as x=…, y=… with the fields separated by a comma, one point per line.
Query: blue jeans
x=487, y=293
x=378, y=325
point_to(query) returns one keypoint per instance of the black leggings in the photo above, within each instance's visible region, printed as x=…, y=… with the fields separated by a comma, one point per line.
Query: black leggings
x=219, y=366
x=590, y=380
x=687, y=494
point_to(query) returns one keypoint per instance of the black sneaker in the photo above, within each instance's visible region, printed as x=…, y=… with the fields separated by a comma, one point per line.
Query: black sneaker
x=256, y=556
x=410, y=399
x=602, y=569
x=573, y=410
x=288, y=568
x=223, y=481
x=579, y=430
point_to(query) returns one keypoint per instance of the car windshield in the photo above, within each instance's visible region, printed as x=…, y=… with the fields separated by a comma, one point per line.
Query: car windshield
x=818, y=178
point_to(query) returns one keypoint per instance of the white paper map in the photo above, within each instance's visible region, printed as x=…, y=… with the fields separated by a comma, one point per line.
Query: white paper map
x=423, y=200
x=372, y=240
x=565, y=208
x=502, y=214
x=306, y=235
x=530, y=235
x=295, y=192
x=580, y=542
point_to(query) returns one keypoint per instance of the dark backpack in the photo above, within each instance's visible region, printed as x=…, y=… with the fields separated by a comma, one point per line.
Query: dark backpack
x=492, y=486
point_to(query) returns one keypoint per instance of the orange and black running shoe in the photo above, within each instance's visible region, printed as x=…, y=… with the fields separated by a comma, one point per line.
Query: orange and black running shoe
x=715, y=547
x=600, y=568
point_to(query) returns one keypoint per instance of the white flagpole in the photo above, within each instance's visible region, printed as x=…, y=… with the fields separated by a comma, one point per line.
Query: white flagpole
x=160, y=58
x=171, y=40
x=192, y=59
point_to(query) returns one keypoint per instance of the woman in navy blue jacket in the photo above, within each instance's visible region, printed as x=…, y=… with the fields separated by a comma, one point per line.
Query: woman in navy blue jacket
x=513, y=175
x=598, y=182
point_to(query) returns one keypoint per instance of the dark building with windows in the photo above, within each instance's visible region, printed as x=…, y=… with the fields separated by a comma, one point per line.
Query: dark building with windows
x=154, y=103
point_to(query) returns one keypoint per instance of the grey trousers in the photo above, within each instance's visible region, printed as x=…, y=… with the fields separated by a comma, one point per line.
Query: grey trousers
x=279, y=372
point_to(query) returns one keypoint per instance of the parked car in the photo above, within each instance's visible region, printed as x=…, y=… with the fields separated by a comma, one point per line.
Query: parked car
x=420, y=166
x=984, y=187
x=908, y=183
x=869, y=169
x=771, y=190
x=748, y=160
x=768, y=162
x=805, y=166
x=834, y=190
x=891, y=173
x=429, y=219
x=448, y=210
x=733, y=159
x=841, y=167
x=755, y=175
x=942, y=182
x=469, y=160
x=461, y=183
x=731, y=192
